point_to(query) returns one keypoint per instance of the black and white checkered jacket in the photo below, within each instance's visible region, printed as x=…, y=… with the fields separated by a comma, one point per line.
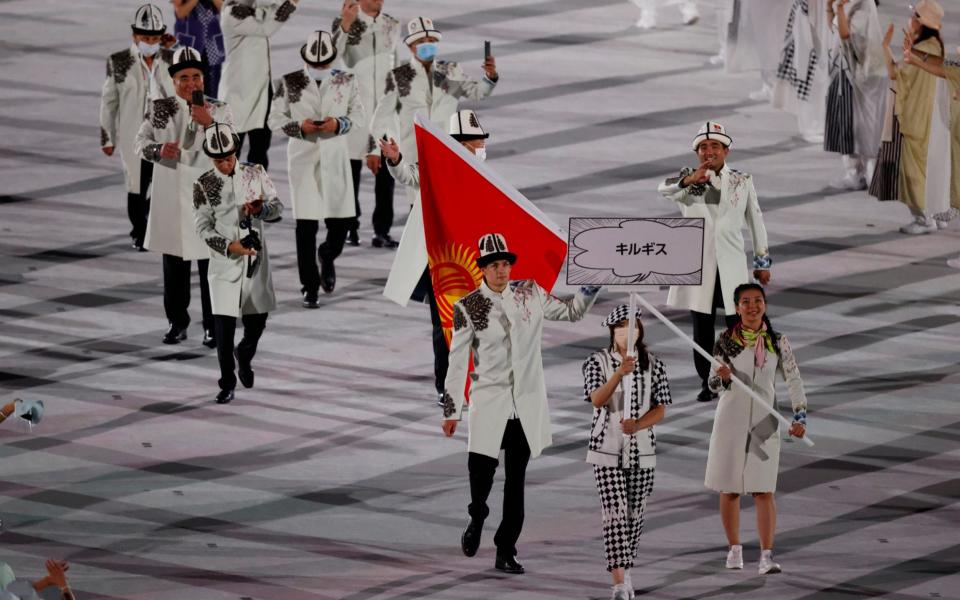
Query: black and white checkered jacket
x=639, y=449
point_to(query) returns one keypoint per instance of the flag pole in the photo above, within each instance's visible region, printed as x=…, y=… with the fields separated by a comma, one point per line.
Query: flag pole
x=713, y=361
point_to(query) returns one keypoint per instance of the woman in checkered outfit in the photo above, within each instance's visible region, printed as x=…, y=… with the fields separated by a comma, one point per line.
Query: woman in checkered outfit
x=629, y=396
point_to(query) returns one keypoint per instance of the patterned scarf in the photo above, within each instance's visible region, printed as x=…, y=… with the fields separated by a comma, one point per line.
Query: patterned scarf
x=748, y=337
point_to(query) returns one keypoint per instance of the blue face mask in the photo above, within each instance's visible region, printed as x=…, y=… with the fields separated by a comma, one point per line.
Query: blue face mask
x=427, y=51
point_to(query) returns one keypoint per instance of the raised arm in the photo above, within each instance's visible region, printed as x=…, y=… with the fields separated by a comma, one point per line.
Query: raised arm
x=572, y=309
x=463, y=86
x=260, y=21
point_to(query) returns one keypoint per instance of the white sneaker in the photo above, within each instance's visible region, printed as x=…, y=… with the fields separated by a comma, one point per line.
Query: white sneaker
x=767, y=566
x=942, y=224
x=954, y=263
x=735, y=557
x=690, y=13
x=647, y=20
x=920, y=225
x=628, y=581
x=620, y=592
x=717, y=59
x=850, y=181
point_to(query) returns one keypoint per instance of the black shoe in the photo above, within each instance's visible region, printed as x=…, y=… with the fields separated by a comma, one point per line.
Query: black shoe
x=224, y=396
x=384, y=241
x=328, y=276
x=706, y=395
x=208, y=340
x=175, y=335
x=310, y=300
x=508, y=564
x=470, y=540
x=138, y=246
x=244, y=372
x=353, y=238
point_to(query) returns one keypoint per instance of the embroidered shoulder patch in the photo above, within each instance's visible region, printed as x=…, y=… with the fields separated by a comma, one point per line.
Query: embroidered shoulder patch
x=403, y=76
x=212, y=186
x=121, y=61
x=296, y=83
x=357, y=30
x=478, y=309
x=241, y=11
x=164, y=109
x=725, y=346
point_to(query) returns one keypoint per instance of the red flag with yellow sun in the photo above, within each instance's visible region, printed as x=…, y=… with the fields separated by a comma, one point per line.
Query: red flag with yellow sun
x=462, y=199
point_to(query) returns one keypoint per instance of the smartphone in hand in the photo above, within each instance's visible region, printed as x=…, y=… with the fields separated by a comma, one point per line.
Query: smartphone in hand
x=197, y=98
x=486, y=50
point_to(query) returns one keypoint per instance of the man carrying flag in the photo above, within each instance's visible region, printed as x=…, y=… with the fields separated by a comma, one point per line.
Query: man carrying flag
x=501, y=325
x=464, y=128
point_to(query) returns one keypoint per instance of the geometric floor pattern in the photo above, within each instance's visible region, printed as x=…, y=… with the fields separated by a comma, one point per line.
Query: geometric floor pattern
x=331, y=479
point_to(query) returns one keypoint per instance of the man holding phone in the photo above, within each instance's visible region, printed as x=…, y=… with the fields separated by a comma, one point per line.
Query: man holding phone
x=427, y=86
x=231, y=202
x=317, y=107
x=366, y=39
x=171, y=138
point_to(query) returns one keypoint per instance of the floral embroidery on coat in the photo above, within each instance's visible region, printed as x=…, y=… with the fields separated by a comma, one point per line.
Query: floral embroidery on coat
x=163, y=110
x=296, y=83
x=104, y=137
x=278, y=91
x=403, y=76
x=459, y=320
x=122, y=61
x=478, y=309
x=286, y=9
x=357, y=29
x=448, y=406
x=212, y=186
x=241, y=11
x=218, y=244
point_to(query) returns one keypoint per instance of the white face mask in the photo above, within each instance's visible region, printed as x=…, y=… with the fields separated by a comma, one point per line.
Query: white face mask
x=481, y=154
x=148, y=49
x=319, y=74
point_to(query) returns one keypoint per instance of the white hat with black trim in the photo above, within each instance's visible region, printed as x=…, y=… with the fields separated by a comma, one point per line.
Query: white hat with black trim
x=185, y=58
x=493, y=248
x=420, y=28
x=220, y=141
x=465, y=126
x=148, y=21
x=711, y=130
x=319, y=49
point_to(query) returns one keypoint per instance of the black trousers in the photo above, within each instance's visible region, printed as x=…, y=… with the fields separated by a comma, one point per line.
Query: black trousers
x=383, y=187
x=516, y=455
x=441, y=351
x=138, y=205
x=259, y=146
x=176, y=291
x=703, y=330
x=225, y=328
x=308, y=252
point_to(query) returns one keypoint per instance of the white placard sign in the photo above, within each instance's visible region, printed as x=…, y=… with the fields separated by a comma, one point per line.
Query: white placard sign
x=630, y=251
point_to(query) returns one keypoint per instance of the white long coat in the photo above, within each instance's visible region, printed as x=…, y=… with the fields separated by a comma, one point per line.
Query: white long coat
x=504, y=333
x=170, y=226
x=321, y=183
x=218, y=202
x=245, y=83
x=744, y=455
x=723, y=243
x=129, y=86
x=410, y=90
x=369, y=51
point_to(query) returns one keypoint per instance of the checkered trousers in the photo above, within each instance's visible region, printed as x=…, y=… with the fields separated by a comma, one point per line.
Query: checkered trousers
x=801, y=82
x=623, y=496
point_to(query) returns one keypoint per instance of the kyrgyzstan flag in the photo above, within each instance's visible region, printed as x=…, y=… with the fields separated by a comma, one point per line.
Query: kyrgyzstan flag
x=462, y=199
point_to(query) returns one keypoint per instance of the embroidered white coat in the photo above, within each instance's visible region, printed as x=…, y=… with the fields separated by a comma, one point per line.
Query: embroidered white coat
x=410, y=90
x=170, y=226
x=129, y=86
x=369, y=51
x=218, y=202
x=321, y=183
x=723, y=243
x=744, y=455
x=245, y=83
x=503, y=333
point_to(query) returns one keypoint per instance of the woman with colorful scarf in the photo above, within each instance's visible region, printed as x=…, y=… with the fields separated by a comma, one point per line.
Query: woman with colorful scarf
x=744, y=452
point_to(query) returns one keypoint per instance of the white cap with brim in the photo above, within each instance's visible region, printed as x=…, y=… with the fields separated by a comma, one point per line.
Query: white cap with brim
x=420, y=28
x=712, y=131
